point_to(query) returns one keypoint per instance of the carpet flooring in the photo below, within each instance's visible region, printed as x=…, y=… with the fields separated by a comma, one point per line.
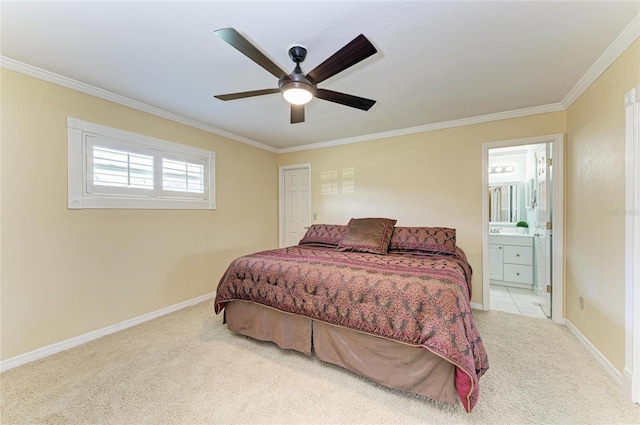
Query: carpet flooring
x=187, y=368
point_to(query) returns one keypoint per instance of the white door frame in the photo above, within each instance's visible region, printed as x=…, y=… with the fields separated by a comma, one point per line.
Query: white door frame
x=557, y=284
x=281, y=210
x=631, y=371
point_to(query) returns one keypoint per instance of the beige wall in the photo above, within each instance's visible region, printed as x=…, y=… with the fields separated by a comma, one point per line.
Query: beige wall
x=68, y=272
x=65, y=273
x=595, y=207
x=428, y=179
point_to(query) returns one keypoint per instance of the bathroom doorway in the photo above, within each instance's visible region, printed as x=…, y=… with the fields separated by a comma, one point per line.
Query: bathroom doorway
x=522, y=226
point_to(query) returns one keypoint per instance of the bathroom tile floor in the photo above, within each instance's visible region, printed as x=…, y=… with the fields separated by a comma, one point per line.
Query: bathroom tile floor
x=516, y=300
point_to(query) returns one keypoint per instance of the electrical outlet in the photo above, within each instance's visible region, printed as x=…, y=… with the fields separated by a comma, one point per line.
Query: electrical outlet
x=315, y=216
x=581, y=303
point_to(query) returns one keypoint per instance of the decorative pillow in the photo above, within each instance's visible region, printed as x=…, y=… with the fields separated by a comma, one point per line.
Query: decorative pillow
x=437, y=240
x=368, y=235
x=324, y=235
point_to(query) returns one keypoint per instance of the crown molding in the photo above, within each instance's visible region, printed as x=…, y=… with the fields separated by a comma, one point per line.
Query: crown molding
x=70, y=83
x=619, y=45
x=554, y=107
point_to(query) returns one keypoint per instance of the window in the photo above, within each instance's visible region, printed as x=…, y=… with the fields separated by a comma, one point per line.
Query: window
x=111, y=168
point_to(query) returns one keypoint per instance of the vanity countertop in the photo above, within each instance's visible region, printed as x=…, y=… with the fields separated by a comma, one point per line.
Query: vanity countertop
x=510, y=239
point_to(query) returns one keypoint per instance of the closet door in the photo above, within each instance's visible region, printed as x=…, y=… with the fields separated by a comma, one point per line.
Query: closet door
x=295, y=213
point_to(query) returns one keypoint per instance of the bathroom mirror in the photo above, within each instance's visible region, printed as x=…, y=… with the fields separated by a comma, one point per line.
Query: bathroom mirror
x=504, y=203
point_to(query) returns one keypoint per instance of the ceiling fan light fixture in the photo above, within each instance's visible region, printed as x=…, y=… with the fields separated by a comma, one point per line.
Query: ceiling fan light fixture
x=297, y=93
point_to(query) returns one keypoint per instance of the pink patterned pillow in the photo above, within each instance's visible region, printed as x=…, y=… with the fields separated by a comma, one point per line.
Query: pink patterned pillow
x=324, y=235
x=368, y=235
x=437, y=240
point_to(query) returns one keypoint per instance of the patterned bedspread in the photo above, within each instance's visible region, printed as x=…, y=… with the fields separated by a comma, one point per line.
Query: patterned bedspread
x=422, y=300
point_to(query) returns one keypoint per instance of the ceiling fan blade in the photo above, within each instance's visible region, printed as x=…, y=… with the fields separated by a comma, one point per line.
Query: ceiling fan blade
x=297, y=114
x=242, y=95
x=345, y=99
x=356, y=50
x=235, y=39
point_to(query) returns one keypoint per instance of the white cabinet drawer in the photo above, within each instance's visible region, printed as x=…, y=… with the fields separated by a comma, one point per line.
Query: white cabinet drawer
x=518, y=255
x=518, y=273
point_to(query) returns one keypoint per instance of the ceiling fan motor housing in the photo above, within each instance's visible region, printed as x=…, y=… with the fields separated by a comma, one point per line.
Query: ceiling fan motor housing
x=297, y=79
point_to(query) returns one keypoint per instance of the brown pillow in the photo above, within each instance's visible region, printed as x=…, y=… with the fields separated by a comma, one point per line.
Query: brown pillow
x=436, y=240
x=324, y=235
x=368, y=235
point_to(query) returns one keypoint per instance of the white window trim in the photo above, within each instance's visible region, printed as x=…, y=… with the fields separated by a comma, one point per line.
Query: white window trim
x=79, y=198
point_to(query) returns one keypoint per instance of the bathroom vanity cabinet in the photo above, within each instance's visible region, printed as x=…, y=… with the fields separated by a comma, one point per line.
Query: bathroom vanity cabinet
x=511, y=260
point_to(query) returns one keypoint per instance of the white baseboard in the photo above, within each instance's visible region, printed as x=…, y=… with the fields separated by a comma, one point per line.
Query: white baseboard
x=78, y=340
x=476, y=306
x=600, y=358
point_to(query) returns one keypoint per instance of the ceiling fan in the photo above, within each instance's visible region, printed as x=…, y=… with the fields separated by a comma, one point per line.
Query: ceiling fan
x=298, y=88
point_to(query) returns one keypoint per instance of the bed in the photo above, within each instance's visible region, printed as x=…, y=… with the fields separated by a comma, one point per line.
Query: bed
x=389, y=303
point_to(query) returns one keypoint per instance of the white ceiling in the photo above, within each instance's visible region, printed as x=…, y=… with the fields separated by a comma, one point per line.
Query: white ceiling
x=437, y=61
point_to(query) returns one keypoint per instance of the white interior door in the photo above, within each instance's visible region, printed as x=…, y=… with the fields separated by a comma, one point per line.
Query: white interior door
x=295, y=187
x=544, y=226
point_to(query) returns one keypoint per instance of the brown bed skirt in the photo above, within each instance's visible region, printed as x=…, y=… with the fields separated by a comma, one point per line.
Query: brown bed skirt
x=390, y=363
